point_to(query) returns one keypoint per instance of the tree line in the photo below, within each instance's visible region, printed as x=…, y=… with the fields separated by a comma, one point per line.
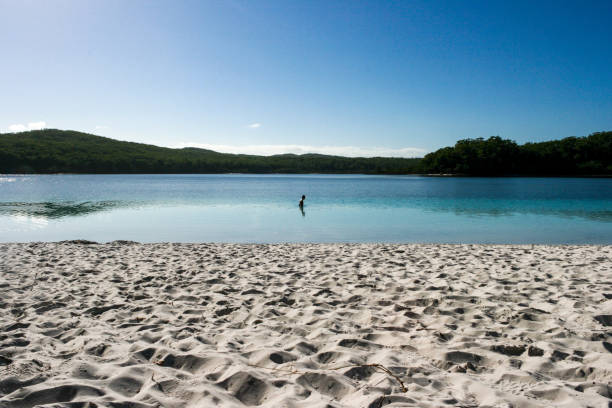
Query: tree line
x=574, y=156
x=64, y=151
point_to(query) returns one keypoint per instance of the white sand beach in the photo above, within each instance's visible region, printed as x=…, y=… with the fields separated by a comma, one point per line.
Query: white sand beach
x=306, y=325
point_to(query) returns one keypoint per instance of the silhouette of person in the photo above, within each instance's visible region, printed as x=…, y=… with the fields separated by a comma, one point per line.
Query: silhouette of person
x=301, y=205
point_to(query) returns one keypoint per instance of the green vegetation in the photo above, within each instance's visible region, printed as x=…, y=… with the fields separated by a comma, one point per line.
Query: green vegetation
x=573, y=156
x=60, y=151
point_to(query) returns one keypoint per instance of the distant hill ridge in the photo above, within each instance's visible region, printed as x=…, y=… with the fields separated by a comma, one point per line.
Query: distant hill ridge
x=66, y=151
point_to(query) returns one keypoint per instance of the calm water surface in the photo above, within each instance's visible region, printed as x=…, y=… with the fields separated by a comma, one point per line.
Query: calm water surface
x=339, y=208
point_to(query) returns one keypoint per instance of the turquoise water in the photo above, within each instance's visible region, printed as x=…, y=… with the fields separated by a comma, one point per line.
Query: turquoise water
x=339, y=208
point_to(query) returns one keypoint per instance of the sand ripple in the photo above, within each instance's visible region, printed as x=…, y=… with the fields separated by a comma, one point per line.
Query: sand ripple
x=369, y=325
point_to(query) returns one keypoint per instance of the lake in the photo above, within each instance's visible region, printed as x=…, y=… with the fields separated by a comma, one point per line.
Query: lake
x=339, y=208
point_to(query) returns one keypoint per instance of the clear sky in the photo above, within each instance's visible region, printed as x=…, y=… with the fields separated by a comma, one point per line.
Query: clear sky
x=346, y=77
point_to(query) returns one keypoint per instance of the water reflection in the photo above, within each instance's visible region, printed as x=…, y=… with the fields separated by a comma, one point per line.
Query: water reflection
x=31, y=221
x=593, y=215
x=64, y=209
x=55, y=210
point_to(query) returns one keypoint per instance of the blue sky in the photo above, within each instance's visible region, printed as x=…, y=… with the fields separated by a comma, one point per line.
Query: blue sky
x=344, y=77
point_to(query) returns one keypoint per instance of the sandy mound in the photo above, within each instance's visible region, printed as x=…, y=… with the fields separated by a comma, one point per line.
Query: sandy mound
x=199, y=325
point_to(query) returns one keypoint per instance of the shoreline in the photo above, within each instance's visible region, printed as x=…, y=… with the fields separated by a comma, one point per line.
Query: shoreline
x=87, y=242
x=305, y=325
x=433, y=175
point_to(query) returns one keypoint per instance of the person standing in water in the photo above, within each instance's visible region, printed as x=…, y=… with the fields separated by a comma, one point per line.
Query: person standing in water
x=301, y=205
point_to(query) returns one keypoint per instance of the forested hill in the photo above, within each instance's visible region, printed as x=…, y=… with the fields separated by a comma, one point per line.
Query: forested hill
x=572, y=156
x=64, y=151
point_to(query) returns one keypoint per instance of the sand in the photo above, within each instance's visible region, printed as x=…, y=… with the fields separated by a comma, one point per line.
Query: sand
x=322, y=325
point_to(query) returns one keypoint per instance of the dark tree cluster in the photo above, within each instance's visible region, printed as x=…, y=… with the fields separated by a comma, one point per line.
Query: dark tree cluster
x=61, y=151
x=572, y=156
